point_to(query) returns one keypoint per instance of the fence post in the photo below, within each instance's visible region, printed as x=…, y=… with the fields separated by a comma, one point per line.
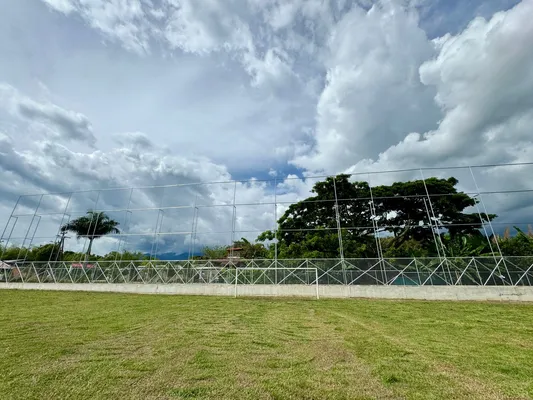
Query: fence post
x=236, y=279
x=316, y=277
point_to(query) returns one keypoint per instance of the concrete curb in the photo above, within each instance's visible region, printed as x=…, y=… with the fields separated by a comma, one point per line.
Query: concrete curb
x=479, y=293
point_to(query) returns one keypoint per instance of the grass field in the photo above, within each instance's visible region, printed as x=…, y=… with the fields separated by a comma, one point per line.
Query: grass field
x=57, y=345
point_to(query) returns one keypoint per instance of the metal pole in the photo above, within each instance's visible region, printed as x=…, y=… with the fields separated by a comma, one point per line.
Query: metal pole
x=316, y=277
x=339, y=231
x=10, y=234
x=192, y=227
x=483, y=226
x=375, y=227
x=123, y=225
x=276, y=222
x=432, y=230
x=29, y=228
x=276, y=230
x=236, y=279
x=433, y=214
x=60, y=226
x=91, y=237
x=158, y=225
x=233, y=220
x=63, y=236
x=195, y=229
x=156, y=236
x=485, y=210
x=5, y=228
x=90, y=224
x=126, y=224
x=157, y=241
x=32, y=238
x=490, y=224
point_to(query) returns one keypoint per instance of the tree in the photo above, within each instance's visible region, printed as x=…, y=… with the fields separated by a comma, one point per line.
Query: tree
x=212, y=253
x=12, y=252
x=519, y=245
x=92, y=226
x=309, y=228
x=250, y=250
x=405, y=209
x=45, y=252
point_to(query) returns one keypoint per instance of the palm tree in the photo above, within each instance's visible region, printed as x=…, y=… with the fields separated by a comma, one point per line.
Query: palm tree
x=92, y=226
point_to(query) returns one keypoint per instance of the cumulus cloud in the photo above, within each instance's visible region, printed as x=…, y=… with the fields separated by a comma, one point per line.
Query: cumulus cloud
x=254, y=33
x=52, y=120
x=124, y=21
x=373, y=94
x=134, y=139
x=484, y=87
x=168, y=189
x=330, y=86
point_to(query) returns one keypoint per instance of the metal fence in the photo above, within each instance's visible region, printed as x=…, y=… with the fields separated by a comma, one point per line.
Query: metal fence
x=478, y=271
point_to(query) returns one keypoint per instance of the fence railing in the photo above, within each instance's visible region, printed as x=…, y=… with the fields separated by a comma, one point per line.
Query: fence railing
x=480, y=271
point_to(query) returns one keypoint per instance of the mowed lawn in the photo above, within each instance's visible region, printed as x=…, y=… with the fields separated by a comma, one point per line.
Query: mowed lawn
x=57, y=345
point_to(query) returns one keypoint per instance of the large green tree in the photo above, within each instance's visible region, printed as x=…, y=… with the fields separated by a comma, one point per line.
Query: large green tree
x=309, y=228
x=416, y=209
x=92, y=226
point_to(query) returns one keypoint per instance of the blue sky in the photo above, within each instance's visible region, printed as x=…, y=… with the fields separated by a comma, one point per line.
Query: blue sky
x=121, y=93
x=452, y=16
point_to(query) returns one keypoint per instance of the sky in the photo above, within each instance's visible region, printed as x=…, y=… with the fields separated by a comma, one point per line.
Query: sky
x=123, y=93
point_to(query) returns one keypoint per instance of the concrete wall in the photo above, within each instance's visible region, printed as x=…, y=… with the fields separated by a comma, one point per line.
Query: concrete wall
x=507, y=293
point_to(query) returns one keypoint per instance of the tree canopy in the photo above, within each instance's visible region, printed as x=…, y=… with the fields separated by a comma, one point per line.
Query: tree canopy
x=92, y=226
x=309, y=228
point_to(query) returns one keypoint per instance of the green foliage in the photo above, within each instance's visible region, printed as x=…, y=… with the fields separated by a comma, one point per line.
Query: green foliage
x=467, y=245
x=308, y=229
x=125, y=256
x=406, y=249
x=408, y=201
x=213, y=253
x=519, y=245
x=92, y=226
x=248, y=251
x=11, y=252
x=47, y=252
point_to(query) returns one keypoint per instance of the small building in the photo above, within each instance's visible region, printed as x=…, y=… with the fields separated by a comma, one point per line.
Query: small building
x=234, y=253
x=8, y=270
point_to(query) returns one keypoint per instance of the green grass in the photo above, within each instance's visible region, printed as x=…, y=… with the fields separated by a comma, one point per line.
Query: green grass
x=57, y=345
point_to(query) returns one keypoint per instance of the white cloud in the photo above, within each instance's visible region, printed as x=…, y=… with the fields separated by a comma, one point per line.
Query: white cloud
x=48, y=118
x=64, y=6
x=164, y=180
x=134, y=139
x=121, y=20
x=373, y=94
x=209, y=88
x=484, y=84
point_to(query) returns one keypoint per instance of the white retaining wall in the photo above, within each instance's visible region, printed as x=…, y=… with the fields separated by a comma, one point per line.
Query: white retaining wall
x=505, y=293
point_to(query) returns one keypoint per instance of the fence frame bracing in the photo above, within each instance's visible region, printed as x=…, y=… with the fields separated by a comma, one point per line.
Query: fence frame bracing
x=473, y=271
x=184, y=217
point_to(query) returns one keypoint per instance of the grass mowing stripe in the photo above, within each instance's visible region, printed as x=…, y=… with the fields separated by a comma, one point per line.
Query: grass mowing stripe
x=100, y=346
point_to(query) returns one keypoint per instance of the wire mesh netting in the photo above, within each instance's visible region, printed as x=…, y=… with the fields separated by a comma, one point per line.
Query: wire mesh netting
x=350, y=228
x=477, y=271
